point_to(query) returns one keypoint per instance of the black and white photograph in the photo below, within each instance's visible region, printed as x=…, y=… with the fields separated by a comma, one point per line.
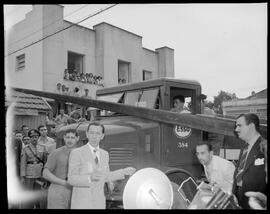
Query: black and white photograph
x=153, y=106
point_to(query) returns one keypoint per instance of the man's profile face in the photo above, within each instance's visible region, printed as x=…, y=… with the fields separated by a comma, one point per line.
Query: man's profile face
x=178, y=104
x=203, y=154
x=94, y=135
x=243, y=129
x=71, y=139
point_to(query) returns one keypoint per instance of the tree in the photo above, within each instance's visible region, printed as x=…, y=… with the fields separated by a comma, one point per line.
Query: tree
x=222, y=96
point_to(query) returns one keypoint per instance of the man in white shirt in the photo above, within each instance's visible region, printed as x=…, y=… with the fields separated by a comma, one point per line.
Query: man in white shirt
x=219, y=172
x=89, y=170
x=61, y=118
x=46, y=141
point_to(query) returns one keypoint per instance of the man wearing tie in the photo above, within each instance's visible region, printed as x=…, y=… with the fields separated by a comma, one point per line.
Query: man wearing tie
x=89, y=170
x=249, y=174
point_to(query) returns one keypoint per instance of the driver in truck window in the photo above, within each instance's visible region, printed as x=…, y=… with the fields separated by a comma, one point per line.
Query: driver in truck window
x=178, y=105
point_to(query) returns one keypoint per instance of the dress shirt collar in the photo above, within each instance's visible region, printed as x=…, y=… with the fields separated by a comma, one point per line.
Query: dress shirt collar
x=92, y=149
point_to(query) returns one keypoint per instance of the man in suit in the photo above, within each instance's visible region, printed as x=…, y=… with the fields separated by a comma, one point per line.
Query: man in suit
x=89, y=170
x=250, y=170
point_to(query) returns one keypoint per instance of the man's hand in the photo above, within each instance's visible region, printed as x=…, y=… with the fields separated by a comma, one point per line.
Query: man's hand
x=129, y=170
x=257, y=200
x=66, y=184
x=96, y=176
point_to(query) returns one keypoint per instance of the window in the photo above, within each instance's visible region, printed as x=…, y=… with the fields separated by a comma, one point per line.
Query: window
x=20, y=62
x=123, y=72
x=147, y=75
x=146, y=98
x=149, y=97
x=75, y=62
x=111, y=97
x=147, y=144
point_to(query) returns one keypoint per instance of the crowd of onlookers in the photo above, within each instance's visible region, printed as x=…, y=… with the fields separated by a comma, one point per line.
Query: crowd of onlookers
x=32, y=148
x=73, y=75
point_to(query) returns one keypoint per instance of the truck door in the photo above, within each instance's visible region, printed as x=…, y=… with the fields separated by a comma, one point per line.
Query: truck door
x=180, y=141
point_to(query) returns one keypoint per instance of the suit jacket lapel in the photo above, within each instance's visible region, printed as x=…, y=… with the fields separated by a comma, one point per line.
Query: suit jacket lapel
x=253, y=153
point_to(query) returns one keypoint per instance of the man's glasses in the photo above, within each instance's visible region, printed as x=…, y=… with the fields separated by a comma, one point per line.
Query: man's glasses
x=25, y=139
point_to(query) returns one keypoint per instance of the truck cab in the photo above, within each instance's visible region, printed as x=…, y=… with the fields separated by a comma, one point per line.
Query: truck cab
x=139, y=142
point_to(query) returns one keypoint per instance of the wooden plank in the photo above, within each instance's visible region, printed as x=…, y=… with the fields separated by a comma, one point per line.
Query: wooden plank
x=207, y=123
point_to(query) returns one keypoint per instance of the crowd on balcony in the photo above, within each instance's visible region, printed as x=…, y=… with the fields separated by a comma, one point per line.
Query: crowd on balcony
x=122, y=81
x=73, y=75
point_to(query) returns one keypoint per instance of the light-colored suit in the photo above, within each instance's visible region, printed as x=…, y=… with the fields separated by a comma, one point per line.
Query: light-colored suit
x=221, y=172
x=87, y=194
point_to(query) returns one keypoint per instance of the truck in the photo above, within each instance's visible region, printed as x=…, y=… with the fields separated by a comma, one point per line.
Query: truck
x=141, y=131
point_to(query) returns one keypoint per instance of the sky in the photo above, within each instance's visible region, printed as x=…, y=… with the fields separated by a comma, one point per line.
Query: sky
x=223, y=46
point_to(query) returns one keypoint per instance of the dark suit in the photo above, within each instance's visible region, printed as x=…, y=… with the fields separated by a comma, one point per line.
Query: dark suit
x=254, y=176
x=17, y=149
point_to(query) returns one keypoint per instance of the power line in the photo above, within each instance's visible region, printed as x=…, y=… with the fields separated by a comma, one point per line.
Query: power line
x=100, y=11
x=32, y=33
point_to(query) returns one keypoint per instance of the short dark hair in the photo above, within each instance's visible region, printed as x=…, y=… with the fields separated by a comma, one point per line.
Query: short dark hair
x=39, y=127
x=74, y=131
x=251, y=118
x=24, y=126
x=32, y=131
x=24, y=137
x=209, y=146
x=17, y=131
x=96, y=124
x=179, y=97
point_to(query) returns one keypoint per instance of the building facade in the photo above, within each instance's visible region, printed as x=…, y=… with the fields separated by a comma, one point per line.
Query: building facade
x=78, y=56
x=256, y=103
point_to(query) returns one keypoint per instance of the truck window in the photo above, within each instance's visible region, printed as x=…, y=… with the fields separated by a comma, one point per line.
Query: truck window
x=132, y=98
x=111, y=97
x=144, y=98
x=149, y=97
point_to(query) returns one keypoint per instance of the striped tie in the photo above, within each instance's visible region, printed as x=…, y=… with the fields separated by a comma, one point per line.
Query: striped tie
x=96, y=158
x=241, y=166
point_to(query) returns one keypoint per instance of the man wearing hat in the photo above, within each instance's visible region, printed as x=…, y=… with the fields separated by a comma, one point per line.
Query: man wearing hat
x=32, y=162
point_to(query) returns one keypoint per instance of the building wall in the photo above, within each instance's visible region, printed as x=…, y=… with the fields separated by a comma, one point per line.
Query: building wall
x=150, y=61
x=117, y=45
x=165, y=62
x=102, y=48
x=32, y=121
x=53, y=52
x=237, y=107
x=21, y=35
